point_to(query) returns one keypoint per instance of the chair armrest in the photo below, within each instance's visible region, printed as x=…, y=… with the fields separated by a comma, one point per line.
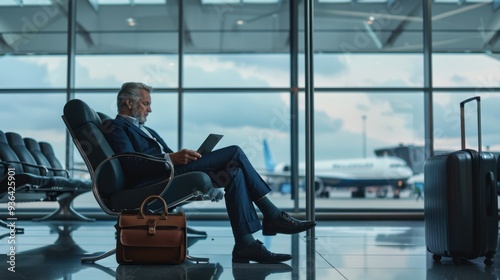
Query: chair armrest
x=60, y=169
x=42, y=168
x=79, y=170
x=95, y=187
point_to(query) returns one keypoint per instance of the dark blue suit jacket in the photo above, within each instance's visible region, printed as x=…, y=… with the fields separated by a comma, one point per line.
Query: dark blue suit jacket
x=125, y=137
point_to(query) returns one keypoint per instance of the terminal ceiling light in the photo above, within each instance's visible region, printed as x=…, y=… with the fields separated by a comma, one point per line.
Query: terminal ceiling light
x=131, y=22
x=23, y=3
x=128, y=2
x=370, y=20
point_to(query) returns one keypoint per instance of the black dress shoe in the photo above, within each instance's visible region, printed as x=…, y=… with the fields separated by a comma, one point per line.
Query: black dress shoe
x=258, y=253
x=285, y=224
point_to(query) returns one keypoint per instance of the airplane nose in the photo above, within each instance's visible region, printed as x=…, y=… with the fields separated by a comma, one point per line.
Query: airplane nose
x=405, y=172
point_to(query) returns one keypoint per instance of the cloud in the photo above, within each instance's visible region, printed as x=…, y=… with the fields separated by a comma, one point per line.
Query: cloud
x=234, y=110
x=457, y=79
x=406, y=107
x=327, y=65
x=21, y=73
x=236, y=71
x=38, y=111
x=344, y=144
x=367, y=70
x=86, y=76
x=224, y=77
x=473, y=70
x=447, y=121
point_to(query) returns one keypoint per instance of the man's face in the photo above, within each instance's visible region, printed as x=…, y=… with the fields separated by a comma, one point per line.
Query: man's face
x=142, y=108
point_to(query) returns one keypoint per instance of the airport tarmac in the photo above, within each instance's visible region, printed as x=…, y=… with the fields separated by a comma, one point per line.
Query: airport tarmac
x=338, y=200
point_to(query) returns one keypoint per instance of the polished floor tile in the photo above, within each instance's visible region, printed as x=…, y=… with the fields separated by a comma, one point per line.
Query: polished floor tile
x=339, y=250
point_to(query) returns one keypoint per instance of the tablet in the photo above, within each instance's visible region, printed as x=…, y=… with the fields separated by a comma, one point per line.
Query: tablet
x=209, y=143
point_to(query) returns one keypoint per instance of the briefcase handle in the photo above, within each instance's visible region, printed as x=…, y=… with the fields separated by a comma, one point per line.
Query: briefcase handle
x=163, y=215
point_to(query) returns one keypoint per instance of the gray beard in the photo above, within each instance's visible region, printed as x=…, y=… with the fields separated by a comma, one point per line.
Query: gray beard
x=137, y=115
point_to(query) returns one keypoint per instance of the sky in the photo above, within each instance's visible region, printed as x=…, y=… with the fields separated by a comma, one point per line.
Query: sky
x=246, y=119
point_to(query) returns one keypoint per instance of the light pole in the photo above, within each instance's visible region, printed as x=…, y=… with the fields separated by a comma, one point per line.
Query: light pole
x=364, y=135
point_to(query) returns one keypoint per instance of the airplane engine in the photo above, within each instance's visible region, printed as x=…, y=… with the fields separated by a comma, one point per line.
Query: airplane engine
x=282, y=167
x=319, y=188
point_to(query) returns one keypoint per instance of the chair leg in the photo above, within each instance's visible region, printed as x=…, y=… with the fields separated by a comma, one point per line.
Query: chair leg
x=197, y=259
x=113, y=251
x=98, y=257
x=191, y=230
x=5, y=225
x=65, y=211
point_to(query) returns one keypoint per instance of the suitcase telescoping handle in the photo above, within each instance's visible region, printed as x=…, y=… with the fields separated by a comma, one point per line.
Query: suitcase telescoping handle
x=462, y=121
x=490, y=176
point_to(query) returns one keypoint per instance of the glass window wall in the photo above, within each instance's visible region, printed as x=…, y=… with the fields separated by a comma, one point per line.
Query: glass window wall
x=233, y=70
x=366, y=144
x=30, y=35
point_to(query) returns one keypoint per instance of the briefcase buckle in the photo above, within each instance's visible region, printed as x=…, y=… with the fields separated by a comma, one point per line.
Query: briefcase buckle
x=152, y=227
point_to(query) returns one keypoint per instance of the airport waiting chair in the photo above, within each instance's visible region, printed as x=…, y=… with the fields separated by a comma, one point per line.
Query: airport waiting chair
x=34, y=182
x=16, y=143
x=66, y=210
x=35, y=150
x=85, y=127
x=10, y=166
x=498, y=174
x=48, y=152
x=103, y=116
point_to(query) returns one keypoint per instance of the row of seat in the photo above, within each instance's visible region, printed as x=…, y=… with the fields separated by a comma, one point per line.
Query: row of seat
x=39, y=176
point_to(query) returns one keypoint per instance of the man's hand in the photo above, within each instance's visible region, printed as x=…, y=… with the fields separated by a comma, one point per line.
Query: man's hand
x=184, y=156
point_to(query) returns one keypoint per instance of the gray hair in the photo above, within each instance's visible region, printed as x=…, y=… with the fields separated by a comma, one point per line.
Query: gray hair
x=132, y=91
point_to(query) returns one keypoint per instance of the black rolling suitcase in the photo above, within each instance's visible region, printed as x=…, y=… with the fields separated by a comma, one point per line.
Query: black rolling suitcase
x=460, y=201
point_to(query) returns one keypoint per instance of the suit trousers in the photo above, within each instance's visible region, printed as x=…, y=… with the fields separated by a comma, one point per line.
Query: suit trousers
x=229, y=168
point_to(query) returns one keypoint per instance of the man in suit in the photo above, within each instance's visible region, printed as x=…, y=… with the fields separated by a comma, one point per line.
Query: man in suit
x=228, y=168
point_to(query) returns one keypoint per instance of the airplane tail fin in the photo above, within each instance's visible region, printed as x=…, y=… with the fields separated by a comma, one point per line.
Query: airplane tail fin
x=268, y=157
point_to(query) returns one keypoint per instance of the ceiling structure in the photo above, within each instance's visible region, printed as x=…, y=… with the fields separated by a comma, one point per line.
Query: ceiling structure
x=246, y=26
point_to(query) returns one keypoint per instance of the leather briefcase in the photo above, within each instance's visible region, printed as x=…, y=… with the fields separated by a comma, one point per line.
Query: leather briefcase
x=151, y=239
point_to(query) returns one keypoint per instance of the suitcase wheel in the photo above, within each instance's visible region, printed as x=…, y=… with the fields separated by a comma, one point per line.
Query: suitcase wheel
x=488, y=261
x=436, y=257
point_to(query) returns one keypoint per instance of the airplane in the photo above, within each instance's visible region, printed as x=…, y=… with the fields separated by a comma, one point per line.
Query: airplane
x=356, y=173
